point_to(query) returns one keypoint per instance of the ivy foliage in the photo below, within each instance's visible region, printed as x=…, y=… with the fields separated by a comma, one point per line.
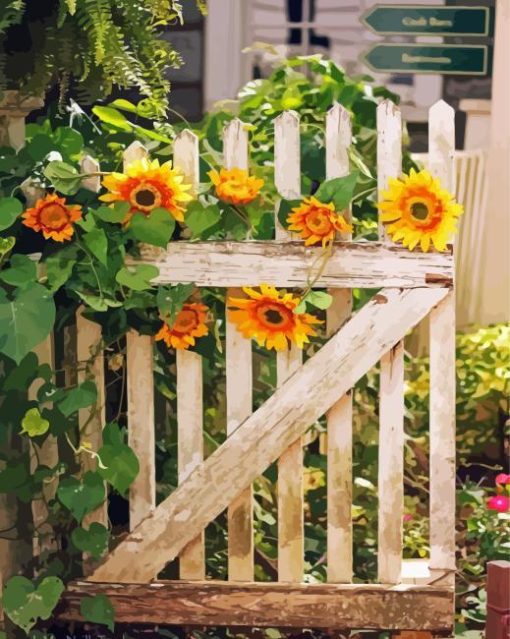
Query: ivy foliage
x=91, y=44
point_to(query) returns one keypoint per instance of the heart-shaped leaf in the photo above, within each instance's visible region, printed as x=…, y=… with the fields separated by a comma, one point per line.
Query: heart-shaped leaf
x=64, y=177
x=98, y=609
x=93, y=541
x=10, y=209
x=137, y=277
x=80, y=397
x=121, y=463
x=156, y=228
x=25, y=604
x=33, y=424
x=81, y=497
x=25, y=321
x=22, y=271
x=97, y=243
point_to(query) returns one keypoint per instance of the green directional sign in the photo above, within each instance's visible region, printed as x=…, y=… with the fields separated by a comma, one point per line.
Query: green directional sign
x=427, y=20
x=445, y=59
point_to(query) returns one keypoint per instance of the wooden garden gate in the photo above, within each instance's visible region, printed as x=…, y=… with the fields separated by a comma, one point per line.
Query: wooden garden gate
x=411, y=285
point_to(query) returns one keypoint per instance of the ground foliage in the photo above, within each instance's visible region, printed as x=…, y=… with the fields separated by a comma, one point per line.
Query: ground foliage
x=41, y=294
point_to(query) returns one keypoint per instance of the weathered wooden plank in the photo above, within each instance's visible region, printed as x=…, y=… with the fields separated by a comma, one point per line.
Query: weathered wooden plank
x=442, y=372
x=391, y=392
x=215, y=603
x=190, y=449
x=45, y=454
x=266, y=434
x=287, y=175
x=339, y=417
x=239, y=390
x=189, y=384
x=141, y=427
x=389, y=150
x=498, y=599
x=351, y=265
x=391, y=465
x=89, y=165
x=135, y=151
x=91, y=420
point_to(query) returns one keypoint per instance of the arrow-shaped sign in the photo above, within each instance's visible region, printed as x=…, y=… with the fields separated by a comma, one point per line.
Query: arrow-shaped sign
x=429, y=58
x=427, y=20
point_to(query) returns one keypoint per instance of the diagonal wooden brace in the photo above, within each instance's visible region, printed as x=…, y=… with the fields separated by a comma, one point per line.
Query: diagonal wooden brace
x=267, y=433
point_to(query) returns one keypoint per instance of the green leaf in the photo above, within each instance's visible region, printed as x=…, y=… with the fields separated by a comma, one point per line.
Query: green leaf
x=68, y=140
x=6, y=246
x=25, y=321
x=22, y=375
x=112, y=116
x=338, y=190
x=81, y=497
x=113, y=214
x=137, y=277
x=170, y=300
x=98, y=609
x=22, y=271
x=64, y=177
x=10, y=209
x=25, y=603
x=59, y=266
x=33, y=424
x=93, y=541
x=199, y=218
x=284, y=210
x=319, y=299
x=123, y=105
x=98, y=303
x=156, y=228
x=97, y=243
x=80, y=397
x=16, y=479
x=121, y=463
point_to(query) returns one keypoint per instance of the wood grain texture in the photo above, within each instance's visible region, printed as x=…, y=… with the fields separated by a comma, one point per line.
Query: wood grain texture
x=389, y=150
x=89, y=165
x=239, y=381
x=339, y=417
x=442, y=371
x=352, y=265
x=91, y=420
x=45, y=454
x=291, y=552
x=267, y=433
x=390, y=486
x=271, y=605
x=190, y=449
x=141, y=427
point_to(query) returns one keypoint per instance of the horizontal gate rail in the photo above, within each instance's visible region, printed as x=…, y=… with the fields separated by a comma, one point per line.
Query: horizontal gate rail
x=263, y=436
x=216, y=603
x=351, y=265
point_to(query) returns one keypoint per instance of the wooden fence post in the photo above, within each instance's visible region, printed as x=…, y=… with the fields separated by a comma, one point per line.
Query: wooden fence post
x=498, y=600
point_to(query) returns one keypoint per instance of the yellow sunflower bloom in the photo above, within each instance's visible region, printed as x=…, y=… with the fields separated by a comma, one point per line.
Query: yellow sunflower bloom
x=317, y=222
x=146, y=185
x=52, y=217
x=268, y=317
x=416, y=210
x=189, y=324
x=235, y=186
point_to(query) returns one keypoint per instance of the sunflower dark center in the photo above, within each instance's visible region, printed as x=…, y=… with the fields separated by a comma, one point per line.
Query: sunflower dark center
x=273, y=317
x=419, y=210
x=145, y=197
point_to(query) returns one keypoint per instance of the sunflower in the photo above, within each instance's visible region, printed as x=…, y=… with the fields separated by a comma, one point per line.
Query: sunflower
x=146, y=185
x=189, y=323
x=235, y=186
x=417, y=210
x=269, y=317
x=52, y=217
x=317, y=222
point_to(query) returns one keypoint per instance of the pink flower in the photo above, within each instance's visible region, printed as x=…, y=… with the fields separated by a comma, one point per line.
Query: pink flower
x=408, y=517
x=502, y=479
x=501, y=503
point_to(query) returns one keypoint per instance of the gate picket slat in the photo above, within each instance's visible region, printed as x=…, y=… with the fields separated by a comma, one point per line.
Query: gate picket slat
x=239, y=391
x=140, y=417
x=391, y=393
x=442, y=372
x=339, y=417
x=189, y=385
x=287, y=168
